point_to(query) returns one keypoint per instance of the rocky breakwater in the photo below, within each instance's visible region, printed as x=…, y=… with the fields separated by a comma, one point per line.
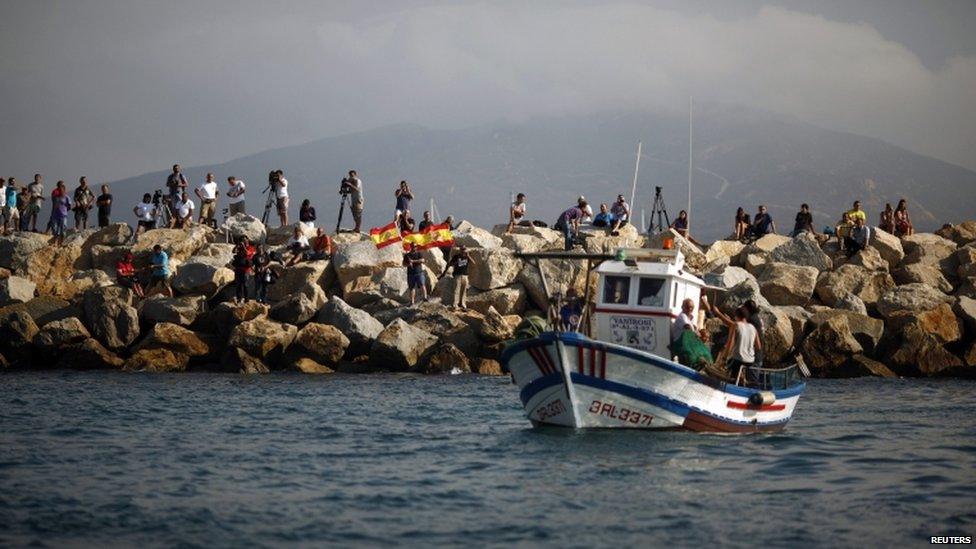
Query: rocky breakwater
x=902, y=307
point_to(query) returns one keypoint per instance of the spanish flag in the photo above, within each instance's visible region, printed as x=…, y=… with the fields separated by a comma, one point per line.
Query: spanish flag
x=384, y=236
x=434, y=236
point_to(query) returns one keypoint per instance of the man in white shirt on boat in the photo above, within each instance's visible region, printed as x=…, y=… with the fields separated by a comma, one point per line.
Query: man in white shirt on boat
x=684, y=320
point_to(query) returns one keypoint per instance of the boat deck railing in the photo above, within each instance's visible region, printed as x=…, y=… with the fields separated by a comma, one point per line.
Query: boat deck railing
x=772, y=379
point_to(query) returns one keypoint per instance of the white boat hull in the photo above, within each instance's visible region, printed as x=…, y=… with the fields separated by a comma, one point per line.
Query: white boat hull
x=569, y=380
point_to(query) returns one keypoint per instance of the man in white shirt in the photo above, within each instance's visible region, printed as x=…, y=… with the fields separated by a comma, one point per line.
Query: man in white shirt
x=281, y=193
x=621, y=214
x=145, y=216
x=685, y=320
x=235, y=195
x=184, y=212
x=516, y=212
x=207, y=193
x=586, y=209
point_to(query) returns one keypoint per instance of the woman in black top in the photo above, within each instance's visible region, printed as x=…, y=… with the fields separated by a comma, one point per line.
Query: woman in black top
x=804, y=221
x=741, y=223
x=307, y=213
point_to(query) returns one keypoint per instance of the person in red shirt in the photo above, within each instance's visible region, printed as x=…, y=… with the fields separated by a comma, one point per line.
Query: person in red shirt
x=243, y=254
x=125, y=275
x=322, y=246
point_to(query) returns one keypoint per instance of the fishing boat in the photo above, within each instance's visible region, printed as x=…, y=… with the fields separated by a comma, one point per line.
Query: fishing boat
x=613, y=368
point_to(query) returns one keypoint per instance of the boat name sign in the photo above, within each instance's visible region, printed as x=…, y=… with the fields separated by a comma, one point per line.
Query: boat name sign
x=636, y=332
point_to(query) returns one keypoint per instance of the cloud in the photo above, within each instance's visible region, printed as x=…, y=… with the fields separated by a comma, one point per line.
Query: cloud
x=125, y=88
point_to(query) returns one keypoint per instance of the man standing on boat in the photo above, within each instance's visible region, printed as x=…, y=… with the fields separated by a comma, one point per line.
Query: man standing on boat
x=743, y=343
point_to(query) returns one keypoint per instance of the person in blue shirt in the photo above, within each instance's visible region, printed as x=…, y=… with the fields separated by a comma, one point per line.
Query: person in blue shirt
x=160, y=270
x=762, y=223
x=604, y=218
x=570, y=312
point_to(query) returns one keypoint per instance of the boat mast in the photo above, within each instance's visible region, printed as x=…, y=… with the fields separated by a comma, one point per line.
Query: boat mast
x=691, y=107
x=633, y=187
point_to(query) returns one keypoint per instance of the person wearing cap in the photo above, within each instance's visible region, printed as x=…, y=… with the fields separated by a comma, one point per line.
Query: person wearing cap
x=571, y=311
x=459, y=265
x=125, y=275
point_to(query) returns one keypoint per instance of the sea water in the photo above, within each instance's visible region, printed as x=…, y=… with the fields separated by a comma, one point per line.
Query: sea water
x=224, y=460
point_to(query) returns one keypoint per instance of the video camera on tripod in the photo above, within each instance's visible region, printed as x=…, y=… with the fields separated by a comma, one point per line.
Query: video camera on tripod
x=272, y=191
x=660, y=211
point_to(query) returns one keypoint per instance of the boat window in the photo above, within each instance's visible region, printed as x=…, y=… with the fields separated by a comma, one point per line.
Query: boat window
x=650, y=293
x=616, y=290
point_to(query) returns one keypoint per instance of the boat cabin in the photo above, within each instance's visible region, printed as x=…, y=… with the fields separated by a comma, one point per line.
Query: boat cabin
x=638, y=296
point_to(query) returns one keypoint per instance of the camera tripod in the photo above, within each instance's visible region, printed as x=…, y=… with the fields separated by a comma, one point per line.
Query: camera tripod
x=658, y=208
x=162, y=215
x=342, y=207
x=269, y=203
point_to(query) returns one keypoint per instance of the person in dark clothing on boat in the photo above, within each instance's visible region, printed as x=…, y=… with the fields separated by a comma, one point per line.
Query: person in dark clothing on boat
x=570, y=312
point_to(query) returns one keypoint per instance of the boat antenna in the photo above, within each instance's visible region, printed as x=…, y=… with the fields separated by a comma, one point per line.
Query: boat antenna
x=633, y=187
x=691, y=110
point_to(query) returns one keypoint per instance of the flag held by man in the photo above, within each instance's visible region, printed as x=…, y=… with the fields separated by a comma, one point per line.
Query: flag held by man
x=384, y=236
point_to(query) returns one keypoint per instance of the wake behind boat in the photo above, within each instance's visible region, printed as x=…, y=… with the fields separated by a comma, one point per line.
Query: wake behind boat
x=625, y=377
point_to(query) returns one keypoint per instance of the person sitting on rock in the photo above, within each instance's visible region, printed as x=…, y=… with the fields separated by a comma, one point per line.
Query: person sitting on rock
x=459, y=265
x=306, y=214
x=743, y=224
x=620, y=210
x=125, y=275
x=762, y=223
x=804, y=222
x=416, y=279
x=160, y=271
x=680, y=226
x=604, y=218
x=516, y=212
x=843, y=229
x=297, y=245
x=322, y=246
x=859, y=237
x=856, y=212
x=887, y=219
x=903, y=223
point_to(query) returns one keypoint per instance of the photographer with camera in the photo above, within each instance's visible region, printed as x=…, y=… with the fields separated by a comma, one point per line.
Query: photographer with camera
x=145, y=215
x=569, y=222
x=403, y=196
x=281, y=194
x=351, y=188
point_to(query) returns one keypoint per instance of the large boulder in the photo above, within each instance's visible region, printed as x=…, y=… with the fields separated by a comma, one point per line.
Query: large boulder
x=560, y=275
x=434, y=260
x=446, y=359
x=310, y=278
x=768, y=243
x=297, y=309
x=932, y=250
x=866, y=330
x=51, y=269
x=401, y=346
x=177, y=310
x=44, y=309
x=446, y=325
x=829, y=346
x=227, y=316
x=737, y=295
x=965, y=309
x=16, y=248
x=888, y=246
x=177, y=243
x=869, y=258
x=475, y=237
x=17, y=333
x=88, y=354
x=921, y=273
x=939, y=322
x=777, y=337
x=321, y=343
x=218, y=254
x=116, y=234
x=861, y=366
x=493, y=328
x=492, y=268
x=801, y=251
x=156, y=359
x=913, y=298
x=599, y=240
x=507, y=300
x=202, y=278
x=110, y=316
x=15, y=289
x=55, y=335
x=105, y=258
x=537, y=240
x=390, y=283
x=912, y=351
x=966, y=256
x=798, y=317
x=262, y=338
x=179, y=340
x=364, y=259
x=724, y=249
x=851, y=302
x=694, y=257
x=238, y=360
x=961, y=234
x=239, y=225
x=852, y=279
x=357, y=325
x=787, y=284
x=729, y=277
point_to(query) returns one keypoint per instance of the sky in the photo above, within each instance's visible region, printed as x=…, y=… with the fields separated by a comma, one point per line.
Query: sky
x=111, y=89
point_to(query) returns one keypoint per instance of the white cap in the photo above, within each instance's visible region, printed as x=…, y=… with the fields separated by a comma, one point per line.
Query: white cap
x=581, y=198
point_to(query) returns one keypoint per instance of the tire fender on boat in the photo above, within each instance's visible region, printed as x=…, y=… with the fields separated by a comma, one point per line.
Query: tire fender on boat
x=762, y=398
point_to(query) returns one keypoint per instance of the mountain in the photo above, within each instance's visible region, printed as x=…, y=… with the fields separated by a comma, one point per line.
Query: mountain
x=742, y=158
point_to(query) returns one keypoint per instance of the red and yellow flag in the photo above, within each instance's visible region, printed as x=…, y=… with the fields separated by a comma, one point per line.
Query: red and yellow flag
x=384, y=236
x=434, y=236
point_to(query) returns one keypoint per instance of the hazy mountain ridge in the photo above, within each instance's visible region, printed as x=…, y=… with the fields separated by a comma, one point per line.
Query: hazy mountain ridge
x=742, y=157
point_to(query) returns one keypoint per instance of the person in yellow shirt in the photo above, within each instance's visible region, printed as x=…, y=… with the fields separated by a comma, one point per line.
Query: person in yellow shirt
x=856, y=212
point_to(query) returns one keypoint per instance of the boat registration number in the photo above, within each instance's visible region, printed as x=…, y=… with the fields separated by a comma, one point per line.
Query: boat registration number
x=549, y=410
x=620, y=414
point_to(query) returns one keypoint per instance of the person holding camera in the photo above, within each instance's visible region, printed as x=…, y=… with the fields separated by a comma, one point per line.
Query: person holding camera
x=207, y=193
x=403, y=198
x=176, y=184
x=235, y=196
x=352, y=187
x=281, y=194
x=145, y=216
x=263, y=274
